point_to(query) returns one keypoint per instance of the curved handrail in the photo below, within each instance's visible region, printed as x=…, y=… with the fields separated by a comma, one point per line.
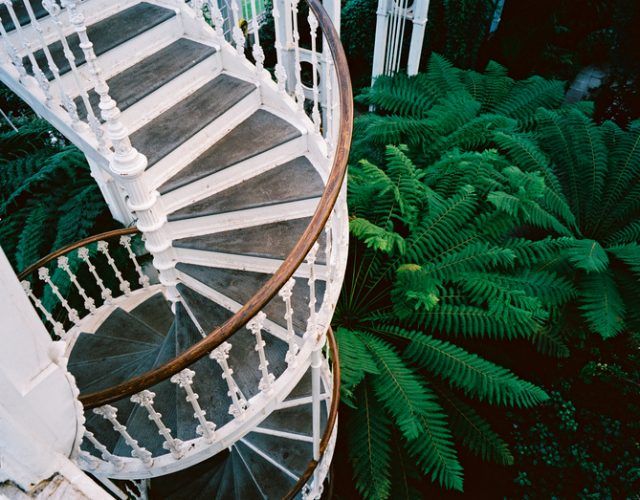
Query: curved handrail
x=62, y=251
x=331, y=421
x=297, y=255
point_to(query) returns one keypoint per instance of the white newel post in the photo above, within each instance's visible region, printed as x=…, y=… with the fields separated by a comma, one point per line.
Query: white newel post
x=380, y=47
x=128, y=164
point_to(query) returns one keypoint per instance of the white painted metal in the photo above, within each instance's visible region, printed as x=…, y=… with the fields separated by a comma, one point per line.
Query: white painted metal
x=89, y=303
x=125, y=287
x=255, y=326
x=184, y=379
x=238, y=402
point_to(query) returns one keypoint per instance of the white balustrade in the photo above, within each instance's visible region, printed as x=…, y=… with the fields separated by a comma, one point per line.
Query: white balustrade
x=238, y=401
x=89, y=303
x=12, y=52
x=299, y=92
x=39, y=75
x=206, y=429
x=143, y=279
x=280, y=72
x=125, y=287
x=236, y=32
x=311, y=259
x=110, y=413
x=257, y=52
x=115, y=460
x=83, y=254
x=145, y=400
x=256, y=325
x=286, y=292
x=43, y=274
x=58, y=329
x=216, y=18
x=315, y=113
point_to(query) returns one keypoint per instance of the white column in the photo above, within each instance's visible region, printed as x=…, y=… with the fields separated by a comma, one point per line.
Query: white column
x=380, y=47
x=420, y=12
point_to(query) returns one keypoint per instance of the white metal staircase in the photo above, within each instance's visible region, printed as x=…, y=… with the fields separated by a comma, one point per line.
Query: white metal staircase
x=200, y=352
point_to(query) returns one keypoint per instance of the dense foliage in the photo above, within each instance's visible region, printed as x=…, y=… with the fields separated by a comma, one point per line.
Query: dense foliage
x=47, y=196
x=469, y=230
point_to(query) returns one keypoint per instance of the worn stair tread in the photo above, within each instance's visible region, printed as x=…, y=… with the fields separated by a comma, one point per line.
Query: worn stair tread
x=291, y=181
x=121, y=324
x=272, y=241
x=302, y=388
x=293, y=454
x=244, y=485
x=244, y=141
x=140, y=80
x=240, y=286
x=100, y=376
x=225, y=490
x=179, y=123
x=199, y=479
x=22, y=14
x=156, y=313
x=296, y=419
x=209, y=315
x=105, y=35
x=274, y=482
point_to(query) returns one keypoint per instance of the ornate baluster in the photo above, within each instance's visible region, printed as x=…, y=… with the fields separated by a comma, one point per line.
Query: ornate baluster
x=12, y=52
x=40, y=77
x=286, y=292
x=311, y=259
x=205, y=428
x=296, y=40
x=238, y=36
x=216, y=18
x=110, y=413
x=87, y=461
x=256, y=325
x=43, y=274
x=258, y=53
x=145, y=400
x=125, y=287
x=197, y=7
x=104, y=452
x=281, y=73
x=54, y=10
x=143, y=279
x=58, y=329
x=239, y=403
x=89, y=303
x=65, y=98
x=315, y=113
x=83, y=253
x=329, y=132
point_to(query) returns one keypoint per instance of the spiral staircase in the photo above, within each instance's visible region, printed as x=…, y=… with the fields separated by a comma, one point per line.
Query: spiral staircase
x=199, y=337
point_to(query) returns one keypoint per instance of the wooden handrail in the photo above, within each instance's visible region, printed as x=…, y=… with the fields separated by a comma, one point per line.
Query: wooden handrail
x=331, y=421
x=293, y=260
x=65, y=250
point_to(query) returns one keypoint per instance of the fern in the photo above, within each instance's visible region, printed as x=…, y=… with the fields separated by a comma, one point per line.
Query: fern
x=601, y=303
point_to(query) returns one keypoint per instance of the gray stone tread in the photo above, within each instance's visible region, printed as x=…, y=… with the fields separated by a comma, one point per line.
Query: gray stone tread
x=105, y=35
x=179, y=123
x=225, y=489
x=273, y=481
x=272, y=241
x=138, y=81
x=240, y=286
x=208, y=314
x=245, y=141
x=291, y=181
x=126, y=326
x=243, y=484
x=296, y=419
x=156, y=313
x=293, y=454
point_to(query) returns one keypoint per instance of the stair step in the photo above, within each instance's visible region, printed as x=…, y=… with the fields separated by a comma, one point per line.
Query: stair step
x=226, y=488
x=137, y=82
x=21, y=13
x=291, y=181
x=155, y=312
x=273, y=481
x=296, y=419
x=244, y=141
x=244, y=485
x=124, y=325
x=180, y=122
x=273, y=241
x=294, y=455
x=240, y=286
x=198, y=481
x=105, y=35
x=208, y=314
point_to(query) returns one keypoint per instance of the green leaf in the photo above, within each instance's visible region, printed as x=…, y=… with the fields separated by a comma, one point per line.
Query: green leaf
x=588, y=255
x=601, y=304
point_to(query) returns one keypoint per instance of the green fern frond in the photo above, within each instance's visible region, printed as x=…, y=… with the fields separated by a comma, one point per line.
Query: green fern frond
x=526, y=96
x=33, y=241
x=369, y=446
x=377, y=238
x=528, y=253
x=398, y=95
x=588, y=255
x=403, y=472
x=601, y=304
x=628, y=234
x=474, y=431
x=474, y=257
x=355, y=363
x=443, y=74
x=629, y=254
x=548, y=341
